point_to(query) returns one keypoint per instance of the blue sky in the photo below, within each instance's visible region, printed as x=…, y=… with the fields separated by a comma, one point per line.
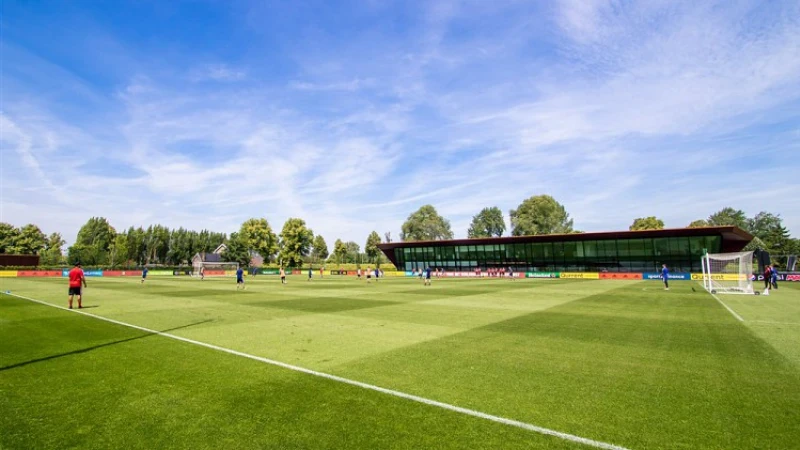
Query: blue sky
x=351, y=115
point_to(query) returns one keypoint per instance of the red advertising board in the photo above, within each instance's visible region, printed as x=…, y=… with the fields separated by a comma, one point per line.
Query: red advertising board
x=122, y=273
x=620, y=276
x=39, y=273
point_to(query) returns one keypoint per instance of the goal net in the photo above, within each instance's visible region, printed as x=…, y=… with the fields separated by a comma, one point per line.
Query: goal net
x=214, y=269
x=728, y=273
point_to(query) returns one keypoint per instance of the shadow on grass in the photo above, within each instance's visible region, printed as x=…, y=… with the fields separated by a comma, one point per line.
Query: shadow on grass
x=95, y=347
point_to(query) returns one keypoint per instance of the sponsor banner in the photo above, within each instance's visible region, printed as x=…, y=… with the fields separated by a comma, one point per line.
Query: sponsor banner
x=297, y=272
x=541, y=274
x=86, y=273
x=269, y=271
x=123, y=273
x=580, y=275
x=39, y=273
x=230, y=273
x=671, y=276
x=8, y=273
x=782, y=276
x=169, y=272
x=716, y=277
x=394, y=274
x=408, y=274
x=620, y=276
x=792, y=277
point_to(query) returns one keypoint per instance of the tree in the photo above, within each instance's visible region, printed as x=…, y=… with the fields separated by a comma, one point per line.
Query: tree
x=52, y=255
x=487, y=223
x=729, y=216
x=353, y=251
x=236, y=250
x=755, y=244
x=388, y=236
x=698, y=223
x=339, y=251
x=371, y=248
x=31, y=240
x=8, y=238
x=320, y=252
x=258, y=236
x=540, y=214
x=296, y=240
x=778, y=240
x=118, y=253
x=426, y=225
x=136, y=246
x=647, y=223
x=93, y=242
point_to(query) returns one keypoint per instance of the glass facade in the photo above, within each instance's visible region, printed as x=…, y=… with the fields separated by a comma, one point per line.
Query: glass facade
x=681, y=254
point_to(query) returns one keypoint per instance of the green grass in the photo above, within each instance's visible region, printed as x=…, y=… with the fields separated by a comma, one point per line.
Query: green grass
x=615, y=361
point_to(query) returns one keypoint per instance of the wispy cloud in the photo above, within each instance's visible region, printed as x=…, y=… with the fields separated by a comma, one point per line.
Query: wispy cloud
x=352, y=122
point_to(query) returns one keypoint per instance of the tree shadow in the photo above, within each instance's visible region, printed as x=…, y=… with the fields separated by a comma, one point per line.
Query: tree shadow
x=95, y=347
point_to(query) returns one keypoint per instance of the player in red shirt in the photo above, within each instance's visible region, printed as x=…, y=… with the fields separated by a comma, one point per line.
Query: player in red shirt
x=76, y=279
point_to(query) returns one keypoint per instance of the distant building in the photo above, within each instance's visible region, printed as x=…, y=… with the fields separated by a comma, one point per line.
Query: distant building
x=622, y=251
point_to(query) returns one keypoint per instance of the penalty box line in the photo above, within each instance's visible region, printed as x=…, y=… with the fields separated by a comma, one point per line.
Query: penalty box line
x=415, y=398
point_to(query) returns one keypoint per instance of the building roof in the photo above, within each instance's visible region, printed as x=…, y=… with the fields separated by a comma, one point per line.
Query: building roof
x=209, y=257
x=733, y=238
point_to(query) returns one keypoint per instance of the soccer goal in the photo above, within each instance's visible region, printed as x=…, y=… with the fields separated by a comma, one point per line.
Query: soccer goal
x=728, y=273
x=214, y=269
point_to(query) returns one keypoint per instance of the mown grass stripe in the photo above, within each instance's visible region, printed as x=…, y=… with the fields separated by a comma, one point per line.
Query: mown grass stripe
x=426, y=401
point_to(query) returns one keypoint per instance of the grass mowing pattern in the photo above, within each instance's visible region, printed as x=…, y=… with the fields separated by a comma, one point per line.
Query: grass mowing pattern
x=616, y=361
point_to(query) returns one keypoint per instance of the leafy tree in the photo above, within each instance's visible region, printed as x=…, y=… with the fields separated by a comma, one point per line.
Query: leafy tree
x=118, y=253
x=540, y=214
x=296, y=240
x=371, y=248
x=729, y=216
x=258, y=236
x=135, y=245
x=320, y=252
x=426, y=224
x=769, y=228
x=339, y=251
x=96, y=232
x=778, y=240
x=8, y=238
x=236, y=250
x=487, y=223
x=52, y=252
x=31, y=240
x=87, y=255
x=755, y=244
x=388, y=236
x=647, y=223
x=353, y=252
x=698, y=223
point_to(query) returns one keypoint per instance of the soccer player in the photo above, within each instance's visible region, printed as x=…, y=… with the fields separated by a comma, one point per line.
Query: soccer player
x=239, y=278
x=309, y=273
x=144, y=274
x=283, y=276
x=202, y=273
x=322, y=272
x=428, y=276
x=774, y=277
x=767, y=276
x=76, y=279
x=369, y=274
x=358, y=273
x=665, y=276
x=377, y=274
x=511, y=273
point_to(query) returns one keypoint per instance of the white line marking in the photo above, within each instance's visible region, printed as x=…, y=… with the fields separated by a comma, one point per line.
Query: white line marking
x=773, y=323
x=738, y=317
x=458, y=409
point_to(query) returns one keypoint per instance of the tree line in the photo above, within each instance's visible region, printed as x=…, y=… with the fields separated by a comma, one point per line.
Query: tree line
x=99, y=244
x=542, y=214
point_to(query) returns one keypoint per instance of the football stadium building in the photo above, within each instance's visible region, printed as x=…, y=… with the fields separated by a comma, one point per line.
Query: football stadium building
x=614, y=252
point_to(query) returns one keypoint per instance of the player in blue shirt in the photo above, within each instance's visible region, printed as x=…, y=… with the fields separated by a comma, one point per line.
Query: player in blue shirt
x=428, y=276
x=144, y=274
x=665, y=276
x=239, y=278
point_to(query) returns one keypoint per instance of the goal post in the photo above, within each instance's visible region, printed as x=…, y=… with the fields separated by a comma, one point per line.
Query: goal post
x=214, y=269
x=728, y=273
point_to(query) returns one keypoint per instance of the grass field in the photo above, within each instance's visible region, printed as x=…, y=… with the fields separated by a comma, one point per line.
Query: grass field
x=617, y=362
